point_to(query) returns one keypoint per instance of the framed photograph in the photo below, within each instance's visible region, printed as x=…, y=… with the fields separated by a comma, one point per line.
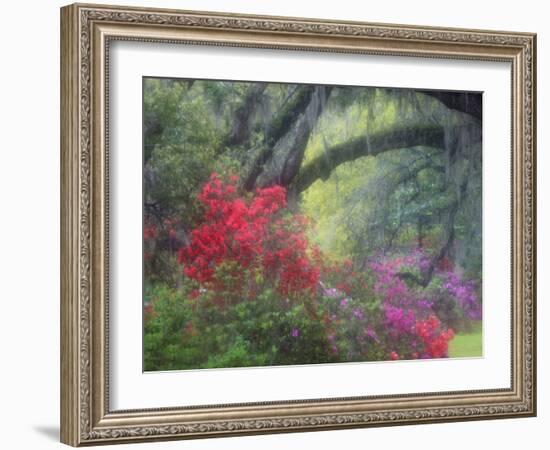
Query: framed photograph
x=275, y=224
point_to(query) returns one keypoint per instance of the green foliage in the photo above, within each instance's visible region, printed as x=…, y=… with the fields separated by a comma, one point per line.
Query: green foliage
x=167, y=342
x=184, y=334
x=180, y=154
x=467, y=344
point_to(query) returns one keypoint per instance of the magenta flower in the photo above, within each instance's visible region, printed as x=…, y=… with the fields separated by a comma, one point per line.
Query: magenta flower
x=464, y=293
x=370, y=332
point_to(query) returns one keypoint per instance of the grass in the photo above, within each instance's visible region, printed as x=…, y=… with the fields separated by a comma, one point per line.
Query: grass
x=467, y=344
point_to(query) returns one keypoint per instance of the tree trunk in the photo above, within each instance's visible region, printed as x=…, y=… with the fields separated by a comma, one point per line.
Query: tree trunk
x=287, y=119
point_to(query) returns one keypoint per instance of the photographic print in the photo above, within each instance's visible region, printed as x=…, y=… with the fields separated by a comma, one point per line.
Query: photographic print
x=290, y=224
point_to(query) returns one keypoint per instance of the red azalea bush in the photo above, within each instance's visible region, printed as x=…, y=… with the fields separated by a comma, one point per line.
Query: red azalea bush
x=252, y=235
x=435, y=339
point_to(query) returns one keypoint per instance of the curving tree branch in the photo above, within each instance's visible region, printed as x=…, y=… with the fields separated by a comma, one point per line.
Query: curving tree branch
x=468, y=103
x=405, y=137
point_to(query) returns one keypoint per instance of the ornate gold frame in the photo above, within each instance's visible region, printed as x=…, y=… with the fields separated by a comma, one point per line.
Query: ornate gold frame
x=86, y=31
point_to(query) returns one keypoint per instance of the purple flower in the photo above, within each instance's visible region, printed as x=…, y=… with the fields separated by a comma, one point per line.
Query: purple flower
x=372, y=334
x=424, y=304
x=464, y=294
x=399, y=320
x=295, y=332
x=331, y=292
x=344, y=302
x=358, y=314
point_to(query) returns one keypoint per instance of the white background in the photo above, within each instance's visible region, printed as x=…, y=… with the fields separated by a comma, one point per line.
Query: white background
x=29, y=233
x=132, y=389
